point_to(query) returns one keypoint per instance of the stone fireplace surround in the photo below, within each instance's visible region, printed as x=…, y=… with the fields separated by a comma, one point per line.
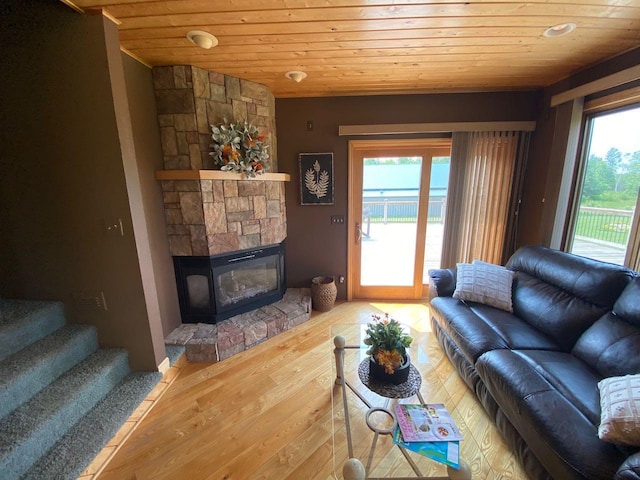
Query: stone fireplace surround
x=209, y=212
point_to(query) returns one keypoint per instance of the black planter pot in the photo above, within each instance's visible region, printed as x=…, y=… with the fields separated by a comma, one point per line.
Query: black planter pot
x=400, y=375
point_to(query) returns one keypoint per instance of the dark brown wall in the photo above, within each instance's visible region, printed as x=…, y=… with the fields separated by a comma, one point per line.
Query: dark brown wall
x=67, y=166
x=547, y=153
x=148, y=152
x=314, y=245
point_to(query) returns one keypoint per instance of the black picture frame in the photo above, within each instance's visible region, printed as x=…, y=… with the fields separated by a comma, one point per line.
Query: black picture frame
x=316, y=178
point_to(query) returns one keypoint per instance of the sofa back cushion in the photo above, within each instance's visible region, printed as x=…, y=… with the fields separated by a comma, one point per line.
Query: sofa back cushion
x=611, y=344
x=562, y=294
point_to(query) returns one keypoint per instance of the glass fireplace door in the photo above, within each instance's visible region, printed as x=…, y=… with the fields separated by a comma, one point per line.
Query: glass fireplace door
x=239, y=282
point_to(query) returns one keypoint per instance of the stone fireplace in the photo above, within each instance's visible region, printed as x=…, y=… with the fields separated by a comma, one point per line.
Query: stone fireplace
x=218, y=220
x=213, y=215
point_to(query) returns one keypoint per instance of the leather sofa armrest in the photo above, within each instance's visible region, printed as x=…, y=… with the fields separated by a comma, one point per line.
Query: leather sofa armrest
x=630, y=469
x=442, y=282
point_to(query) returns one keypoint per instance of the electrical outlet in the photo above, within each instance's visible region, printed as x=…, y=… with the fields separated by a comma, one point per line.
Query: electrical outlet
x=113, y=226
x=337, y=219
x=341, y=279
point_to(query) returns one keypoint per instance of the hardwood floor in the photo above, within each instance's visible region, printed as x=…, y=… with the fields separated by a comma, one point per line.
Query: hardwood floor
x=266, y=413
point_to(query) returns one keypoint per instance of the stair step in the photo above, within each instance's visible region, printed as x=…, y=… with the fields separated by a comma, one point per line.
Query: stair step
x=33, y=428
x=23, y=322
x=28, y=371
x=80, y=445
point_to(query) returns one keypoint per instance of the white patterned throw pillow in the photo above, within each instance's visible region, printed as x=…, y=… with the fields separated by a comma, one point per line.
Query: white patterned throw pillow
x=620, y=410
x=484, y=283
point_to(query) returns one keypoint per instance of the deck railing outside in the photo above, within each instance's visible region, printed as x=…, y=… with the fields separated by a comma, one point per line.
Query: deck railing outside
x=401, y=211
x=603, y=224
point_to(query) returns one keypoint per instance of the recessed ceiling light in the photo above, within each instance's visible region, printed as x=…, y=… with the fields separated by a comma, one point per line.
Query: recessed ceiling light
x=296, y=75
x=202, y=39
x=559, y=29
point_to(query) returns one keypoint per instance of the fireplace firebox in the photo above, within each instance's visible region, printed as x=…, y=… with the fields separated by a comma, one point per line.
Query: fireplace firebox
x=214, y=288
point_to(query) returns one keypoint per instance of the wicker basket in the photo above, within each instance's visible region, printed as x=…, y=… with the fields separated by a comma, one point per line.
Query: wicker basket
x=323, y=293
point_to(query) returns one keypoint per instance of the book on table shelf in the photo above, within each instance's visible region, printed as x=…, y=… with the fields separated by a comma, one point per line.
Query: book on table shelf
x=447, y=453
x=426, y=423
x=430, y=431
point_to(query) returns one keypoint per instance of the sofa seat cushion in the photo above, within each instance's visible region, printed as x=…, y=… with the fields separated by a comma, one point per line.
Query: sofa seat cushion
x=552, y=399
x=476, y=328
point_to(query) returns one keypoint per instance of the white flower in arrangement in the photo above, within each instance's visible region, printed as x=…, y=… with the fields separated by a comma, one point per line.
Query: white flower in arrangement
x=317, y=180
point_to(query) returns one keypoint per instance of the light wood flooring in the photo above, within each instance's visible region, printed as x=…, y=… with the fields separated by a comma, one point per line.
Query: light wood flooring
x=267, y=413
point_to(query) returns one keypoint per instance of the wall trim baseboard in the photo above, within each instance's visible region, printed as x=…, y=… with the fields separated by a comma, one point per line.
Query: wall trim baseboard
x=164, y=366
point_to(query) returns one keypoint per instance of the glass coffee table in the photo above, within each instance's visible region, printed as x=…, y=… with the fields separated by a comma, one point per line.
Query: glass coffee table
x=364, y=424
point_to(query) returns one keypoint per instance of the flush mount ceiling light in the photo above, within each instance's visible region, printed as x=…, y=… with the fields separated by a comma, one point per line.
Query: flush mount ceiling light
x=296, y=75
x=202, y=39
x=559, y=29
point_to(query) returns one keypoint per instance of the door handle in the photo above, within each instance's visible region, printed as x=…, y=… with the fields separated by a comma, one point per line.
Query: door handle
x=358, y=233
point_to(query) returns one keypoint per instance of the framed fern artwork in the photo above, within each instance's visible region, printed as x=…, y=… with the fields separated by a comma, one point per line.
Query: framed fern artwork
x=316, y=178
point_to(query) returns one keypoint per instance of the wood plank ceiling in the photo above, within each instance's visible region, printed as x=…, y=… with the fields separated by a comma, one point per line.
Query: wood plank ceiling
x=378, y=46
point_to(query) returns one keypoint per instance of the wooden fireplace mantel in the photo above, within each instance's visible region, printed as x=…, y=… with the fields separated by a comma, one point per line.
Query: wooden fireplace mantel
x=218, y=175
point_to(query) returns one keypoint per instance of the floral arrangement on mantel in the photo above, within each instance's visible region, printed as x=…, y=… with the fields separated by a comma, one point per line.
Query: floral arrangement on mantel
x=388, y=342
x=239, y=148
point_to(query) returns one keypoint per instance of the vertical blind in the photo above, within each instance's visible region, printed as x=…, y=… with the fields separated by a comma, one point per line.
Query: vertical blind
x=484, y=186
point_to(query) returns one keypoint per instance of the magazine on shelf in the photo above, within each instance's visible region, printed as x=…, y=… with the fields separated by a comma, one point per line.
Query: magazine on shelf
x=426, y=423
x=447, y=453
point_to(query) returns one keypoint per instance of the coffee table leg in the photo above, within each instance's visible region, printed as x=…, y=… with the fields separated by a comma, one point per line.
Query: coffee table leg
x=463, y=473
x=353, y=470
x=339, y=342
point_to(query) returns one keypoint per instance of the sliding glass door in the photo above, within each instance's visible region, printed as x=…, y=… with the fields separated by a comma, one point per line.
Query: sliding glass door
x=397, y=200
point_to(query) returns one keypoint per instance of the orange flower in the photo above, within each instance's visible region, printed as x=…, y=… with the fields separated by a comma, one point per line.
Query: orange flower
x=389, y=360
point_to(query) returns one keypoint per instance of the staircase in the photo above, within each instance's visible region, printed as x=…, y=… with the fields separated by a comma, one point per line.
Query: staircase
x=62, y=398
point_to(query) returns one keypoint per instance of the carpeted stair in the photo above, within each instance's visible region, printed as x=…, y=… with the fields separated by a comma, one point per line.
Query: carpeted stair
x=61, y=397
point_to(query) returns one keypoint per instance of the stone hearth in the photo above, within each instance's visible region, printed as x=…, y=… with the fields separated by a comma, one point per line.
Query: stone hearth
x=213, y=343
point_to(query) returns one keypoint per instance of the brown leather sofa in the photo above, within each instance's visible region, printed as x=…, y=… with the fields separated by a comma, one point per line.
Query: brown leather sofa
x=536, y=370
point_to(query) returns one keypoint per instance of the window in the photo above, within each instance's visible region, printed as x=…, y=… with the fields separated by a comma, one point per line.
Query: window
x=604, y=221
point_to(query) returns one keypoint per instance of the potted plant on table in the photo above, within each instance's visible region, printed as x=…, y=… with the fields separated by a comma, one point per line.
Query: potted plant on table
x=388, y=343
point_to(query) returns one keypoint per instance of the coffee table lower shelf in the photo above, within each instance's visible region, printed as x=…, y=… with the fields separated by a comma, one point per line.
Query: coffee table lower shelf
x=353, y=468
